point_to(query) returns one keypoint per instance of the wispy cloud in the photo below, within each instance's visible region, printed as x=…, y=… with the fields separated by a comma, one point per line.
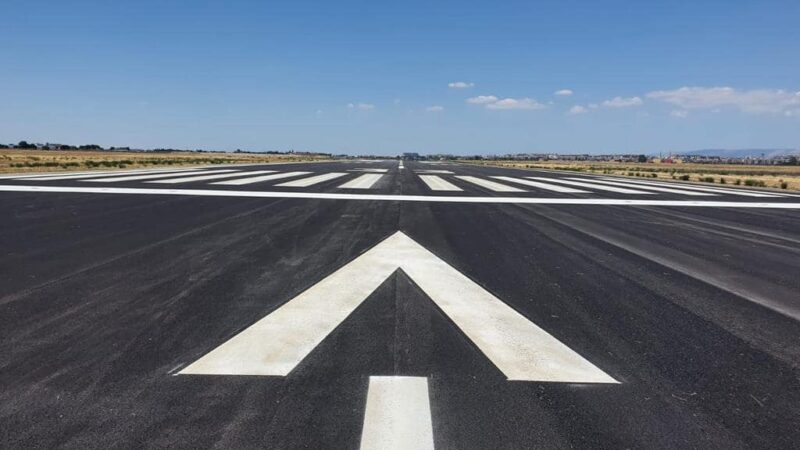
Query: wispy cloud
x=435, y=108
x=679, y=113
x=578, y=109
x=563, y=92
x=516, y=103
x=460, y=85
x=361, y=106
x=482, y=99
x=755, y=101
x=623, y=102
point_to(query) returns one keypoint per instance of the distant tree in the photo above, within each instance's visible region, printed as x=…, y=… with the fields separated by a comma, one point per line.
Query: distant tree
x=3, y=146
x=793, y=161
x=25, y=144
x=642, y=159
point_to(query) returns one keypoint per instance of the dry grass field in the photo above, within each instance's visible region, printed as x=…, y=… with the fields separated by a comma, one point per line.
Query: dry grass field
x=17, y=160
x=776, y=177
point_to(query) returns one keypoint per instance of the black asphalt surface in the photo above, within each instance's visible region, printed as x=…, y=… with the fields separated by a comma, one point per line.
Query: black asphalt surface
x=105, y=297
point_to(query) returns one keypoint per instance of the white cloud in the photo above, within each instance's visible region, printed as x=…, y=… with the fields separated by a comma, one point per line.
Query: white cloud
x=621, y=102
x=593, y=106
x=435, y=108
x=578, y=109
x=563, y=92
x=482, y=99
x=679, y=113
x=755, y=101
x=460, y=85
x=514, y=103
x=361, y=106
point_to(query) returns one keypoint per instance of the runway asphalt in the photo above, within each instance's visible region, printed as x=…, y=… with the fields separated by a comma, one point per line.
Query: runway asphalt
x=143, y=314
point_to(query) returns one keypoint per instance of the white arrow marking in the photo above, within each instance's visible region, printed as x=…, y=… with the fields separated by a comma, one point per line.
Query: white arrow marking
x=398, y=415
x=276, y=344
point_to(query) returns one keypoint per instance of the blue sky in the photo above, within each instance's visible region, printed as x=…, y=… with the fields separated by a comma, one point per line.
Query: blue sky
x=372, y=77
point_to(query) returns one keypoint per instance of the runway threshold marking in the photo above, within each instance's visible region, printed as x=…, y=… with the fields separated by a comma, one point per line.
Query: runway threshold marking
x=365, y=181
x=210, y=177
x=398, y=414
x=117, y=179
x=647, y=188
x=545, y=186
x=277, y=343
x=259, y=179
x=732, y=191
x=395, y=197
x=437, y=183
x=488, y=184
x=310, y=181
x=80, y=176
x=587, y=184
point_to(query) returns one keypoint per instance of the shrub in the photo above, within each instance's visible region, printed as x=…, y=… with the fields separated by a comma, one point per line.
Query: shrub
x=738, y=182
x=684, y=177
x=706, y=179
x=653, y=175
x=784, y=185
x=752, y=182
x=722, y=180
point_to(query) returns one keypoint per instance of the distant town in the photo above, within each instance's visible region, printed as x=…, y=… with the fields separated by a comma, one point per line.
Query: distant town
x=764, y=157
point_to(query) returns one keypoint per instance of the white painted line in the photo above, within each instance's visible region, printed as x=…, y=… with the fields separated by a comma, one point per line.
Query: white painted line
x=598, y=187
x=545, y=186
x=491, y=185
x=398, y=415
x=74, y=176
x=116, y=179
x=310, y=181
x=259, y=179
x=442, y=172
x=437, y=183
x=368, y=170
x=366, y=181
x=210, y=177
x=395, y=197
x=277, y=343
x=648, y=188
x=731, y=191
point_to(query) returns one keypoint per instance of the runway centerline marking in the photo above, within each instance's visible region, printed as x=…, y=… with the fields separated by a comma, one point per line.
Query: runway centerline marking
x=394, y=197
x=398, y=414
x=277, y=343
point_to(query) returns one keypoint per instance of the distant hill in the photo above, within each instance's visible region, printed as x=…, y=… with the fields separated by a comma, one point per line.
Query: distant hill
x=743, y=152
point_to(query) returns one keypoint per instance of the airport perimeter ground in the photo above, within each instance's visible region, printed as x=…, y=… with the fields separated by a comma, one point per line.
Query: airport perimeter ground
x=277, y=306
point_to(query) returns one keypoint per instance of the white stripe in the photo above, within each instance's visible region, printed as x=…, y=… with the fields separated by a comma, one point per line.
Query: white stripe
x=732, y=191
x=74, y=176
x=310, y=181
x=491, y=185
x=276, y=344
x=116, y=179
x=365, y=181
x=540, y=185
x=395, y=198
x=444, y=172
x=598, y=187
x=251, y=180
x=649, y=188
x=398, y=415
x=210, y=177
x=437, y=183
x=368, y=170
